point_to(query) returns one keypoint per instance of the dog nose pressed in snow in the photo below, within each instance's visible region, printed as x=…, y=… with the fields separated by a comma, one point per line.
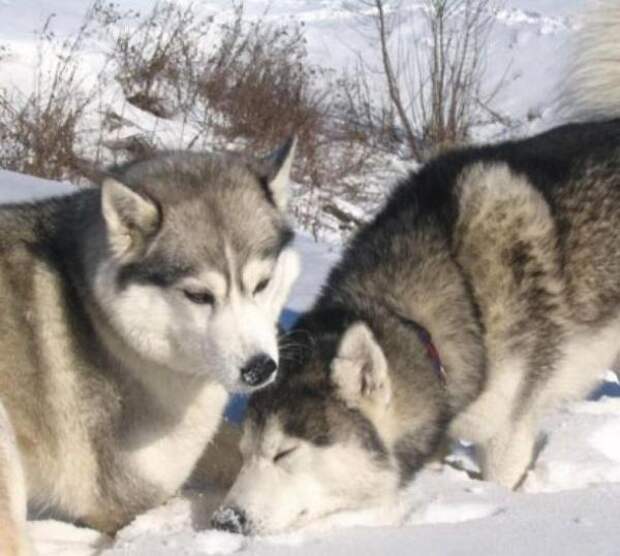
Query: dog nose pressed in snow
x=232, y=520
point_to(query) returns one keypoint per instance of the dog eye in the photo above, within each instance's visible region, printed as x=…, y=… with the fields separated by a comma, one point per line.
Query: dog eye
x=200, y=298
x=281, y=455
x=261, y=286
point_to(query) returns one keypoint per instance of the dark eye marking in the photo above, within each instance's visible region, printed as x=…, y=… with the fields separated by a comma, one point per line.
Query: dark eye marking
x=261, y=286
x=200, y=297
x=153, y=273
x=281, y=455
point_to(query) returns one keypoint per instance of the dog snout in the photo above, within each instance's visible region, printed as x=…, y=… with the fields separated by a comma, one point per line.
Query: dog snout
x=258, y=370
x=232, y=520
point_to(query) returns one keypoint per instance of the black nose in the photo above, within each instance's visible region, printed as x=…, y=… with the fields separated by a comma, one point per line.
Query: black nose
x=230, y=519
x=258, y=370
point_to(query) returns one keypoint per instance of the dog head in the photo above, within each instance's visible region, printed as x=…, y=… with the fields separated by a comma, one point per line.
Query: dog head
x=196, y=262
x=318, y=441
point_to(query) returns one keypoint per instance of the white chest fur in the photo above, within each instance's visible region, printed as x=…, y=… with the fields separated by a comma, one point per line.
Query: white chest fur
x=165, y=455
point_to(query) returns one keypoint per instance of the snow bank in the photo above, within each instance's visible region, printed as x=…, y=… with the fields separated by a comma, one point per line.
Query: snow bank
x=16, y=187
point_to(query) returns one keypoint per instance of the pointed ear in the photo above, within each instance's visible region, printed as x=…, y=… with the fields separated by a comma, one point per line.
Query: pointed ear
x=276, y=171
x=360, y=370
x=131, y=219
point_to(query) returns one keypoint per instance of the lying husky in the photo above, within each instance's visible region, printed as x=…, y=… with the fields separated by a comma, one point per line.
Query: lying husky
x=486, y=292
x=128, y=312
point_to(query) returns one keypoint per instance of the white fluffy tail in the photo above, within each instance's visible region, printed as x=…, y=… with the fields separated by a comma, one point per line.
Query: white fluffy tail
x=593, y=83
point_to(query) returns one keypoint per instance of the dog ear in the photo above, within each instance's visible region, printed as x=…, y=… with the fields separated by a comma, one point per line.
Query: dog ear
x=131, y=218
x=360, y=370
x=276, y=171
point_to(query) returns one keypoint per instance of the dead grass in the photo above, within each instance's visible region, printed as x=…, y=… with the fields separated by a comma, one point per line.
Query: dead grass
x=247, y=82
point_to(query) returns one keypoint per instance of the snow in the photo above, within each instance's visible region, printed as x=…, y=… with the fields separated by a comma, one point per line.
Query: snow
x=16, y=187
x=569, y=500
x=316, y=261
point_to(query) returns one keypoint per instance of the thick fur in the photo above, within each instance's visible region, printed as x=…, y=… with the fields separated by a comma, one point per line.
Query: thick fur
x=128, y=313
x=593, y=76
x=13, y=539
x=509, y=255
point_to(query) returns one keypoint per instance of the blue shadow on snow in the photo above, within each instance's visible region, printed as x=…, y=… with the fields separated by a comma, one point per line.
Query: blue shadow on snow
x=606, y=389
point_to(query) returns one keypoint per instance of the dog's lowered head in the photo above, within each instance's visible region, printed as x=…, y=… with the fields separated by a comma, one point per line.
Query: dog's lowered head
x=318, y=441
x=191, y=263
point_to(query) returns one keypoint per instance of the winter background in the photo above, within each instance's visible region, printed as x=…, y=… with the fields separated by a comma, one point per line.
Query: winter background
x=570, y=499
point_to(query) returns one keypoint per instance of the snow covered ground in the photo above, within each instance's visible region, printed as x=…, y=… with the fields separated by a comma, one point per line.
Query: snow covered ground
x=570, y=501
x=568, y=504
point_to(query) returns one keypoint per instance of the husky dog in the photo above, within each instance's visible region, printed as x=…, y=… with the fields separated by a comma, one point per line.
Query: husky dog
x=128, y=313
x=486, y=292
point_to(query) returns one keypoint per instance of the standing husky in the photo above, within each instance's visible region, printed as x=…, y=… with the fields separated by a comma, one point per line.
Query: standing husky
x=486, y=292
x=128, y=312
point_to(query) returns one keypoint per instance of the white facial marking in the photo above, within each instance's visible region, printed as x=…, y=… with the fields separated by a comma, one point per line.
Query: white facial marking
x=306, y=483
x=255, y=272
x=165, y=327
x=243, y=325
x=246, y=325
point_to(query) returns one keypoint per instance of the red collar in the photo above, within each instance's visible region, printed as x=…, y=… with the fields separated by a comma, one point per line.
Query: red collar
x=431, y=350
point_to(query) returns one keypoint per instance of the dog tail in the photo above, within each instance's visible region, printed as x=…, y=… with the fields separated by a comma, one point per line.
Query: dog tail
x=593, y=80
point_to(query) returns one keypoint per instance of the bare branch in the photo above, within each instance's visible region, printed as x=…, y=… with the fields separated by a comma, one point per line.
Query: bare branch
x=392, y=83
x=435, y=80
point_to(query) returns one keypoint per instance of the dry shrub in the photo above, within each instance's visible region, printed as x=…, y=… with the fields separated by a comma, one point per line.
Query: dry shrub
x=39, y=138
x=156, y=61
x=370, y=118
x=247, y=82
x=258, y=78
x=40, y=133
x=435, y=80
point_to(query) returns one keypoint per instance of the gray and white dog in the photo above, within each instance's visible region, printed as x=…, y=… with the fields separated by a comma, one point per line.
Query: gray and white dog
x=485, y=293
x=128, y=313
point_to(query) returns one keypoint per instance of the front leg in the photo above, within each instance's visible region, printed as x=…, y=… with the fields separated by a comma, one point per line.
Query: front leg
x=220, y=464
x=13, y=538
x=214, y=474
x=492, y=410
x=506, y=457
